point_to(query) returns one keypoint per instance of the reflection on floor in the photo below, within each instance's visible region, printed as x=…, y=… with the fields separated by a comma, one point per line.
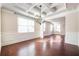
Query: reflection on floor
x=49, y=46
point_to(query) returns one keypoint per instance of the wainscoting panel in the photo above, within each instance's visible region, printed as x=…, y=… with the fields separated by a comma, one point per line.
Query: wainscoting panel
x=71, y=38
x=11, y=38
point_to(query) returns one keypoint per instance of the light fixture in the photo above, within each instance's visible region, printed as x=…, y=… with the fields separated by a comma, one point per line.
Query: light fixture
x=38, y=18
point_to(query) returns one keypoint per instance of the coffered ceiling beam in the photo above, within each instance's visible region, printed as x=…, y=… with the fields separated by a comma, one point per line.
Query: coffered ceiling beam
x=31, y=8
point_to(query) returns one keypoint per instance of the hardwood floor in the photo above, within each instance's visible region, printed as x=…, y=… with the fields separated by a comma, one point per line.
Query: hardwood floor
x=49, y=46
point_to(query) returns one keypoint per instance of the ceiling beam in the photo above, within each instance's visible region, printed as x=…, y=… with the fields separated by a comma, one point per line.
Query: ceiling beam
x=31, y=8
x=13, y=9
x=46, y=7
x=20, y=6
x=43, y=10
x=54, y=4
x=59, y=10
x=61, y=14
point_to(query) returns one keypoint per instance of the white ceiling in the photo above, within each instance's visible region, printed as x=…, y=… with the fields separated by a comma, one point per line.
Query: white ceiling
x=33, y=9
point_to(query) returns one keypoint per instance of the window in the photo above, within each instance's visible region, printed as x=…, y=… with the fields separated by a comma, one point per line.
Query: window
x=25, y=25
x=51, y=27
x=56, y=27
x=44, y=26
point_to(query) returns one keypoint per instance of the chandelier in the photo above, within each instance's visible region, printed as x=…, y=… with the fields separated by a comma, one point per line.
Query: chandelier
x=38, y=18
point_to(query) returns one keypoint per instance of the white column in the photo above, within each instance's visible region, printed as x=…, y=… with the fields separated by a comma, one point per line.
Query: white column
x=41, y=31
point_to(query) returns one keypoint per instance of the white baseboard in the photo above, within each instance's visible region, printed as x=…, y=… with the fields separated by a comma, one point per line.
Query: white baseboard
x=47, y=33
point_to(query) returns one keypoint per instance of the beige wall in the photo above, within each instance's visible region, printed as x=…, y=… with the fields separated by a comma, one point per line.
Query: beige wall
x=47, y=29
x=71, y=23
x=37, y=27
x=78, y=28
x=62, y=24
x=9, y=22
x=9, y=29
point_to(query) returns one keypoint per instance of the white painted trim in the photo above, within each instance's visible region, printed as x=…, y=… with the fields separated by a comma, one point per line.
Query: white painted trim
x=71, y=38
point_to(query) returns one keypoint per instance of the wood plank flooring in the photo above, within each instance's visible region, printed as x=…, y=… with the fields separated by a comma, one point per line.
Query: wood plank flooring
x=49, y=46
